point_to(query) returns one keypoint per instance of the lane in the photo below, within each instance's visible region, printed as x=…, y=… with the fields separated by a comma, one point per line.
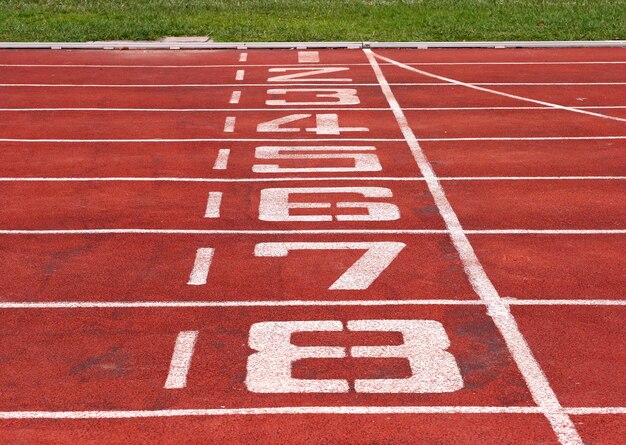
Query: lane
x=554, y=266
x=445, y=429
x=442, y=96
x=109, y=360
x=527, y=158
x=539, y=204
x=158, y=268
x=253, y=206
x=257, y=160
x=283, y=96
x=154, y=125
x=582, y=351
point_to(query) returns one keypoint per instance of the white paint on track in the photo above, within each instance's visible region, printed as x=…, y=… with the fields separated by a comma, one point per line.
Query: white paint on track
x=536, y=380
x=181, y=360
x=290, y=303
x=475, y=86
x=305, y=410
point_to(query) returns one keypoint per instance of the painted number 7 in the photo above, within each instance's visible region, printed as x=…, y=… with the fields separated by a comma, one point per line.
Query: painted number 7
x=360, y=275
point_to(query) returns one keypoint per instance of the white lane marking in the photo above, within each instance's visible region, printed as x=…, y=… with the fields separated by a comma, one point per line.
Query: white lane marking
x=313, y=82
x=497, y=309
x=271, y=411
x=221, y=161
x=311, y=232
x=291, y=303
x=202, y=264
x=229, y=124
x=346, y=410
x=235, y=97
x=214, y=202
x=243, y=57
x=574, y=62
x=308, y=56
x=459, y=139
x=475, y=86
x=240, y=74
x=181, y=360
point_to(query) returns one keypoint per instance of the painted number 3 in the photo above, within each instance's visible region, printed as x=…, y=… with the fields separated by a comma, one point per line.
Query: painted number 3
x=433, y=368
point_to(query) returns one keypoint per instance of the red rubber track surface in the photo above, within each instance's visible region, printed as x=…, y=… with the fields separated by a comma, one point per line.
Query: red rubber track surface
x=146, y=196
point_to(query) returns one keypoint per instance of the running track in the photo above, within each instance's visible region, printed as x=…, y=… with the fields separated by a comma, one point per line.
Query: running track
x=334, y=246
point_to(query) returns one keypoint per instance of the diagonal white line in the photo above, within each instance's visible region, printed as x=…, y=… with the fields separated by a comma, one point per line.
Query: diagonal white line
x=497, y=308
x=499, y=93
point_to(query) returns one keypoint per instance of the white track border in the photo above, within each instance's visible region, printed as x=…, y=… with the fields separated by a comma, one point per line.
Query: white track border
x=310, y=45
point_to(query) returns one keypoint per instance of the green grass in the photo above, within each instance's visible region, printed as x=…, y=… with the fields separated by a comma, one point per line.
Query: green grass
x=313, y=20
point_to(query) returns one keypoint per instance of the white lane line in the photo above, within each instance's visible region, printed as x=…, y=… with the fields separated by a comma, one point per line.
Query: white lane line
x=213, y=205
x=498, y=310
x=234, y=99
x=308, y=56
x=459, y=139
x=578, y=302
x=221, y=161
x=181, y=360
x=290, y=303
x=312, y=232
x=270, y=411
x=245, y=59
x=291, y=410
x=311, y=84
x=202, y=264
x=476, y=86
x=236, y=96
x=240, y=74
x=229, y=303
x=126, y=141
x=229, y=124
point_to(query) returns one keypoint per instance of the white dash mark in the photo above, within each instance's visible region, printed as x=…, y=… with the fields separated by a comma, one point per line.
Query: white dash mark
x=308, y=56
x=235, y=97
x=181, y=360
x=201, y=265
x=229, y=124
x=239, y=75
x=243, y=57
x=213, y=205
x=221, y=161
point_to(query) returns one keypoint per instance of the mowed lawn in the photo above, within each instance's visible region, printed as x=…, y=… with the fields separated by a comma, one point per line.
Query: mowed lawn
x=313, y=20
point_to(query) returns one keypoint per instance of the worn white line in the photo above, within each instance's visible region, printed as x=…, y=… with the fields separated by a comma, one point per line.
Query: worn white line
x=221, y=161
x=308, y=56
x=126, y=141
x=229, y=124
x=529, y=138
x=181, y=360
x=475, y=86
x=201, y=266
x=537, y=383
x=244, y=57
x=213, y=205
x=229, y=303
x=239, y=75
x=311, y=84
x=311, y=231
x=270, y=411
x=561, y=302
x=597, y=410
x=235, y=98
